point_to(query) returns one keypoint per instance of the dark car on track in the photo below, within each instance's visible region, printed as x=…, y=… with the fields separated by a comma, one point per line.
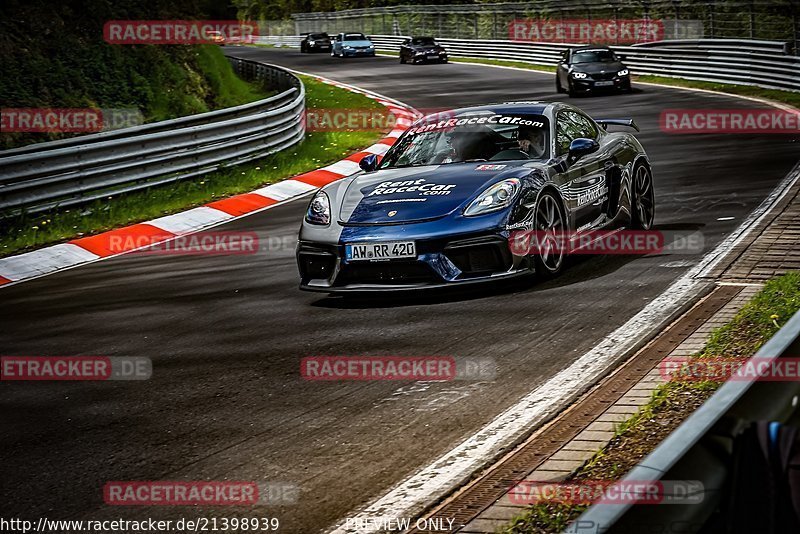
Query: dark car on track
x=352, y=45
x=444, y=204
x=422, y=50
x=588, y=68
x=316, y=42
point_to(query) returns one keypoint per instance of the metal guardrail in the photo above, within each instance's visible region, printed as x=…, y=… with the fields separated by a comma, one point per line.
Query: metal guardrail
x=701, y=449
x=680, y=19
x=292, y=41
x=82, y=169
x=759, y=63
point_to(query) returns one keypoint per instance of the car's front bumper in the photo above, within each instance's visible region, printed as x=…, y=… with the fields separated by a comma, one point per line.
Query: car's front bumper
x=441, y=261
x=425, y=58
x=588, y=85
x=359, y=53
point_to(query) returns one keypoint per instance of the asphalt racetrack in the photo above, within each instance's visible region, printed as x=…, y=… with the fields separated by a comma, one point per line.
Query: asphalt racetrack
x=226, y=334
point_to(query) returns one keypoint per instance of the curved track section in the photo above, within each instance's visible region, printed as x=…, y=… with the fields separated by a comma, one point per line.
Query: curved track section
x=226, y=334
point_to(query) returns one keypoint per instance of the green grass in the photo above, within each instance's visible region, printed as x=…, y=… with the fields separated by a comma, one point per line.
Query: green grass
x=758, y=320
x=787, y=97
x=750, y=328
x=318, y=149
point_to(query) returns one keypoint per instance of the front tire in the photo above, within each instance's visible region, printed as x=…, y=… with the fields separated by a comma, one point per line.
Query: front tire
x=559, y=89
x=643, y=203
x=550, y=235
x=571, y=92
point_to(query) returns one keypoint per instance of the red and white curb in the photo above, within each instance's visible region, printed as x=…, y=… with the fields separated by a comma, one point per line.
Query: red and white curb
x=15, y=269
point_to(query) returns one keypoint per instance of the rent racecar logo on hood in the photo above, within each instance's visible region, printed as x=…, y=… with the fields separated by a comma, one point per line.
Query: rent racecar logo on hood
x=419, y=186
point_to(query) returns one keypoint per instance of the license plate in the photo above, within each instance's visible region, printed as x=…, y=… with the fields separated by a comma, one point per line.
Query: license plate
x=380, y=251
x=603, y=84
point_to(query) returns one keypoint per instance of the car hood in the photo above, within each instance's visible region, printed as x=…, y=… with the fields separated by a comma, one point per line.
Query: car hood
x=356, y=43
x=427, y=48
x=592, y=68
x=402, y=195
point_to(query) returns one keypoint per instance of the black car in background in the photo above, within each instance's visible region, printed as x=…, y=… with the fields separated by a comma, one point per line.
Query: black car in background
x=316, y=42
x=421, y=50
x=587, y=68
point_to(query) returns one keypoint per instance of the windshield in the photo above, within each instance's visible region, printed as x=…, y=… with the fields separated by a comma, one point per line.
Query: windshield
x=594, y=56
x=354, y=37
x=318, y=36
x=463, y=138
x=425, y=41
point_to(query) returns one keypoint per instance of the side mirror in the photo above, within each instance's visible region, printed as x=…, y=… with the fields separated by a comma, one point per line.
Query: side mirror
x=369, y=163
x=581, y=147
x=621, y=57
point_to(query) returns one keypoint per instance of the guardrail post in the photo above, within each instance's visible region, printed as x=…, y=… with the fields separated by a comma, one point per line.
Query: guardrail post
x=796, y=26
x=710, y=11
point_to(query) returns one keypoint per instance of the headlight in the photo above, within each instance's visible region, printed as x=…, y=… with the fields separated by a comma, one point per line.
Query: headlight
x=347, y=47
x=496, y=197
x=623, y=72
x=311, y=43
x=579, y=75
x=319, y=210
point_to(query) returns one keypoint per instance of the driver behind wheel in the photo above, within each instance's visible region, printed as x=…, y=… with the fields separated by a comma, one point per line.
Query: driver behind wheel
x=473, y=143
x=531, y=141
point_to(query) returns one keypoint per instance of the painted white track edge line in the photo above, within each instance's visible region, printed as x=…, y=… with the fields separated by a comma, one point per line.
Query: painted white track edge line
x=440, y=477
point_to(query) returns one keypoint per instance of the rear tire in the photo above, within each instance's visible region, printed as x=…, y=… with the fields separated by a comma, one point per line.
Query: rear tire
x=402, y=59
x=643, y=202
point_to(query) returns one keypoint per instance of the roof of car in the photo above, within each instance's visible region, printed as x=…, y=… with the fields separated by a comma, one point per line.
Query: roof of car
x=590, y=47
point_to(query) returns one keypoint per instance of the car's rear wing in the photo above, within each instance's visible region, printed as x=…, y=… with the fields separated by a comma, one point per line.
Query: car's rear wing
x=617, y=122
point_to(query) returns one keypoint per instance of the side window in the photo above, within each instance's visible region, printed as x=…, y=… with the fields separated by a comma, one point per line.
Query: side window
x=567, y=130
x=572, y=125
x=588, y=129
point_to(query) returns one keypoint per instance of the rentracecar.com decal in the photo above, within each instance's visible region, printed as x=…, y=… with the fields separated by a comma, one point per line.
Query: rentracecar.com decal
x=420, y=186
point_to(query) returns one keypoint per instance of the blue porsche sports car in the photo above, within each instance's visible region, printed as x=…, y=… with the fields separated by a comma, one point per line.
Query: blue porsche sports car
x=440, y=207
